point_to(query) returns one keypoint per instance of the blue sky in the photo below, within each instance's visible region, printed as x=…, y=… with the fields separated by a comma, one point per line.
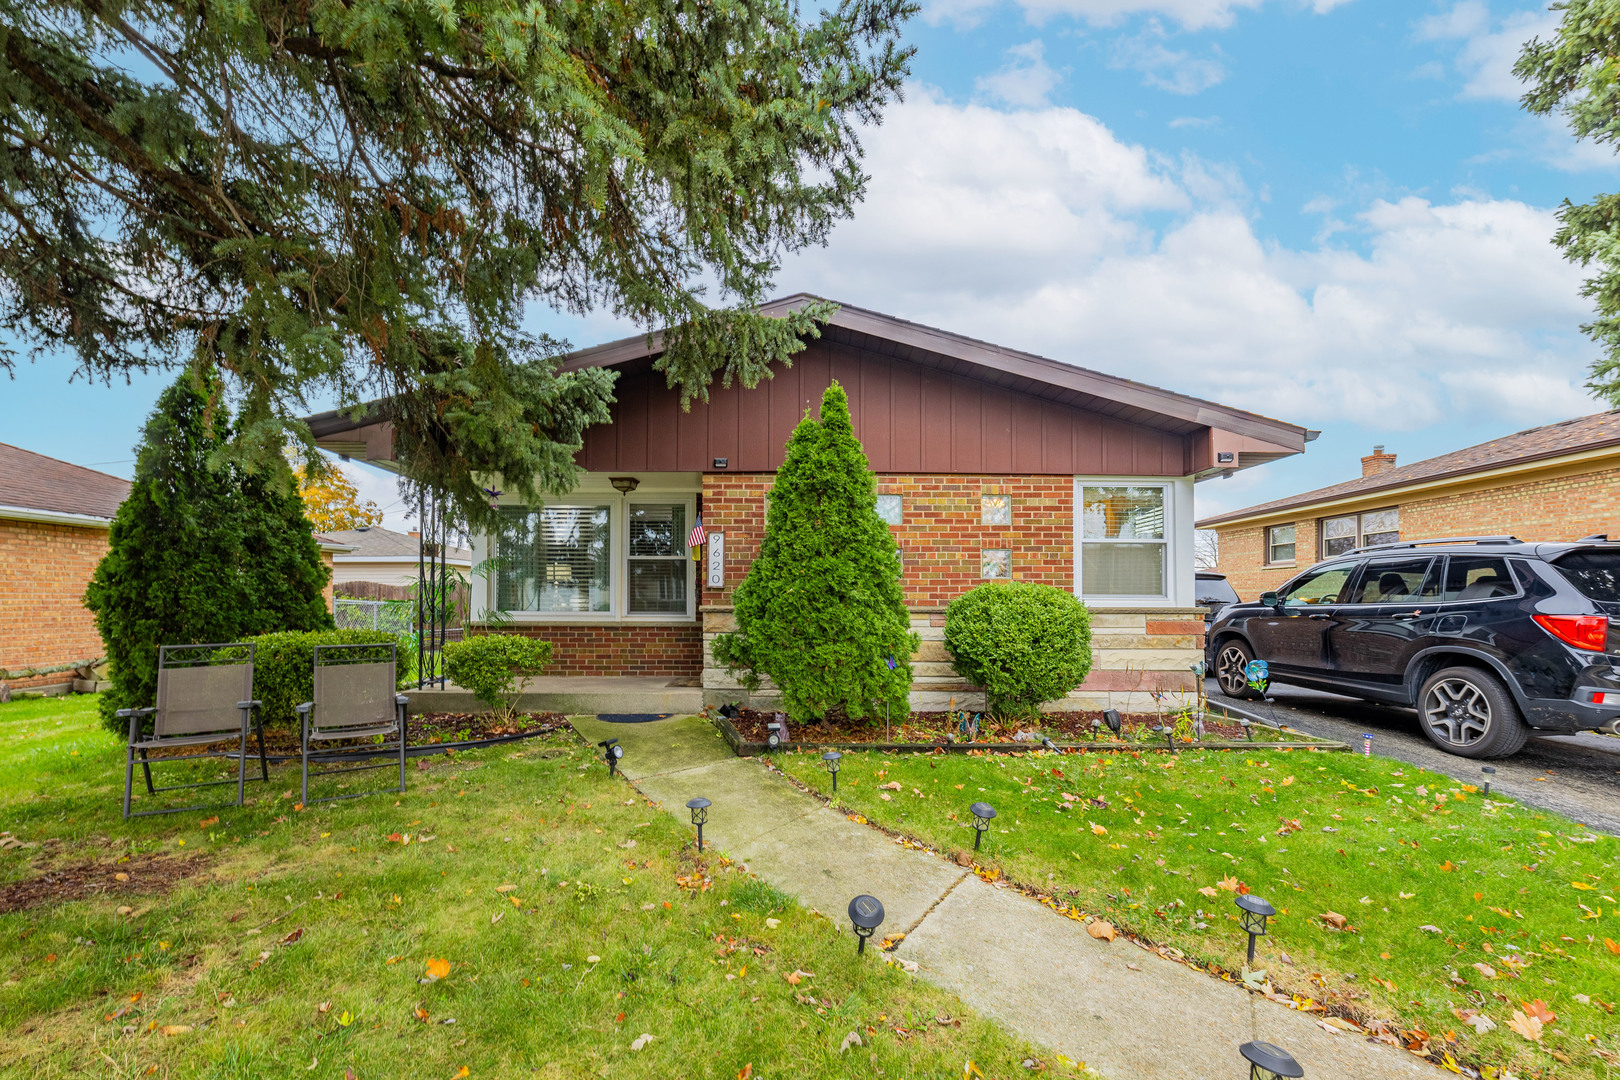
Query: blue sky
x=1330, y=211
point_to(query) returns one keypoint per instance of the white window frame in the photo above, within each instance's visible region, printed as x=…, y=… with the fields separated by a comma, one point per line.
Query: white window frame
x=1269, y=529
x=618, y=576
x=1178, y=541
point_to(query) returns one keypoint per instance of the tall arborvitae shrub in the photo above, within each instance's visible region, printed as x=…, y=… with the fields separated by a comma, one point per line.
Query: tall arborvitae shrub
x=199, y=552
x=821, y=612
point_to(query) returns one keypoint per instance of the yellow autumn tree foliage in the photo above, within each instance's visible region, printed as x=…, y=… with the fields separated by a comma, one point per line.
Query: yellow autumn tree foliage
x=332, y=503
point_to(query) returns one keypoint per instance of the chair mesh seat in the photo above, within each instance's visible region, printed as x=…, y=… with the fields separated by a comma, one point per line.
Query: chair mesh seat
x=355, y=733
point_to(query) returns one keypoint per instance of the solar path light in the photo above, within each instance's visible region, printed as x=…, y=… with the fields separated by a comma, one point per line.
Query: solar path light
x=829, y=761
x=778, y=731
x=1267, y=1062
x=1096, y=726
x=1489, y=772
x=1248, y=727
x=867, y=915
x=1049, y=744
x=1166, y=730
x=982, y=813
x=700, y=813
x=1255, y=913
x=611, y=753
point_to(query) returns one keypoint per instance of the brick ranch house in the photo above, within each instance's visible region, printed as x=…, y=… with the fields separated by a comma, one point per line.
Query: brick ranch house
x=991, y=463
x=54, y=522
x=1558, y=482
x=54, y=519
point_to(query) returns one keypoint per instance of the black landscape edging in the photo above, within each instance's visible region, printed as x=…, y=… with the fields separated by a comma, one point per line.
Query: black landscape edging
x=745, y=748
x=423, y=750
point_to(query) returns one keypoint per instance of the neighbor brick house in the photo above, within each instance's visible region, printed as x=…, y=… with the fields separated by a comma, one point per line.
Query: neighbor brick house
x=991, y=464
x=1558, y=482
x=54, y=519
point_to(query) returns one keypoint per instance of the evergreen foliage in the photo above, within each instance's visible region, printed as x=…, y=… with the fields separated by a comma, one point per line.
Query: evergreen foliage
x=821, y=611
x=1573, y=73
x=357, y=200
x=1025, y=643
x=200, y=551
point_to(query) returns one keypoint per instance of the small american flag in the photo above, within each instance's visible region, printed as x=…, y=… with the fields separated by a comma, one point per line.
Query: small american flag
x=698, y=536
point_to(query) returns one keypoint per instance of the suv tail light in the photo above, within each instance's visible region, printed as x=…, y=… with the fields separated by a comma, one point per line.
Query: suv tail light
x=1582, y=631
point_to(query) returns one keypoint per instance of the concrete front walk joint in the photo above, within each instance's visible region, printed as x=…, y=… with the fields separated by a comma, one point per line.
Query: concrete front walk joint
x=1124, y=1011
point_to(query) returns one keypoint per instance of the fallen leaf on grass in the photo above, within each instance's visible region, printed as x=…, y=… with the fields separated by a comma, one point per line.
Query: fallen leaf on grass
x=1210, y=890
x=1230, y=884
x=1485, y=970
x=461, y=1072
x=746, y=1071
x=1430, y=929
x=1613, y=946
x=207, y=821
x=293, y=937
x=437, y=969
x=1447, y=867
x=796, y=977
x=772, y=924
x=505, y=888
x=420, y=1013
x=640, y=1041
x=497, y=917
x=1098, y=829
x=1102, y=931
x=1528, y=1026
x=852, y=1039
x=1334, y=919
x=176, y=1029
x=1538, y=1009
x=1581, y=885
x=346, y=1019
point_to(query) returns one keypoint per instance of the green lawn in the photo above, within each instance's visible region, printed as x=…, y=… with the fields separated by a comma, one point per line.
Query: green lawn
x=302, y=949
x=1391, y=848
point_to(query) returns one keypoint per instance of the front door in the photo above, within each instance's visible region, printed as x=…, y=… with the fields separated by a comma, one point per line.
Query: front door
x=1389, y=615
x=1294, y=638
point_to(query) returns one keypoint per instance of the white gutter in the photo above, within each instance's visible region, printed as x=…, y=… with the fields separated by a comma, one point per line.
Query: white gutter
x=54, y=517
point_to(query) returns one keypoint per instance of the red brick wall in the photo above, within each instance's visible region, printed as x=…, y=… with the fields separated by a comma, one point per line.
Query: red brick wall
x=1550, y=508
x=625, y=649
x=941, y=535
x=44, y=570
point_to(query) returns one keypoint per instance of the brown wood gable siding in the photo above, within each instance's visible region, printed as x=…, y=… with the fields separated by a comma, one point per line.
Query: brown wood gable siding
x=909, y=418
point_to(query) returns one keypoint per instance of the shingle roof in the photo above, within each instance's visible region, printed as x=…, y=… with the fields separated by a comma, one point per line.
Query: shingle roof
x=1553, y=440
x=380, y=543
x=33, y=481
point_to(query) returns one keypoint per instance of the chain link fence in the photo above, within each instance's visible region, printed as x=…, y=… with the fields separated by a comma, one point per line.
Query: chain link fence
x=392, y=616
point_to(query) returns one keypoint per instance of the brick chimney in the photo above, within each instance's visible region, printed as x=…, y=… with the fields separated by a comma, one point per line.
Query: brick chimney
x=416, y=533
x=1377, y=462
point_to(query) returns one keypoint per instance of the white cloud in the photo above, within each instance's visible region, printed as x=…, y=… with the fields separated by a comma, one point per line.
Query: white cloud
x=1177, y=71
x=1489, y=46
x=1195, y=122
x=1189, y=14
x=1039, y=229
x=1025, y=80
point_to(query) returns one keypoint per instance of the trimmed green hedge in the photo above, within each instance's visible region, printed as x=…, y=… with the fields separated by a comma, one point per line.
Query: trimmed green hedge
x=490, y=665
x=1024, y=643
x=284, y=667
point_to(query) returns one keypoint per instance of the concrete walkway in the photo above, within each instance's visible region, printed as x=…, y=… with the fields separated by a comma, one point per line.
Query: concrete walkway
x=1123, y=1010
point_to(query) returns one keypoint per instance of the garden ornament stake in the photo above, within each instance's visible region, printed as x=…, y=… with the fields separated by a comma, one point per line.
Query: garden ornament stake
x=1255, y=913
x=867, y=915
x=829, y=761
x=700, y=813
x=982, y=813
x=611, y=753
x=1258, y=675
x=1268, y=1062
x=1489, y=772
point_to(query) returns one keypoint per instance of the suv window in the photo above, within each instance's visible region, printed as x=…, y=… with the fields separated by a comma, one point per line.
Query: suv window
x=1215, y=591
x=1477, y=577
x=1320, y=586
x=1595, y=573
x=1396, y=581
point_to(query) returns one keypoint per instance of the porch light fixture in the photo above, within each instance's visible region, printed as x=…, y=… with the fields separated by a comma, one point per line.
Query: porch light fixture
x=866, y=913
x=982, y=813
x=1255, y=913
x=1114, y=720
x=700, y=813
x=1268, y=1062
x=1489, y=772
x=624, y=485
x=611, y=753
x=829, y=761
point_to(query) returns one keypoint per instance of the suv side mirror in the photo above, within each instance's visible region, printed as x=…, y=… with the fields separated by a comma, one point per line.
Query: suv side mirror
x=1270, y=600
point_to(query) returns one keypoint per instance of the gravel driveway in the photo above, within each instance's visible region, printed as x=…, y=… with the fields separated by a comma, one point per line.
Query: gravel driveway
x=1576, y=775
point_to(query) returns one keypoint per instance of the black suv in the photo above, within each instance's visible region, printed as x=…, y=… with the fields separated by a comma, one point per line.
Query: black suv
x=1488, y=637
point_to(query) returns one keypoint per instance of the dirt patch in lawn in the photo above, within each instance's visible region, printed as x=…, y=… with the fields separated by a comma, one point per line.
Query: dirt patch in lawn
x=145, y=875
x=942, y=727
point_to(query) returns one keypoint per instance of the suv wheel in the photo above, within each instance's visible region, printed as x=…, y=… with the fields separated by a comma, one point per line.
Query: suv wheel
x=1468, y=712
x=1230, y=660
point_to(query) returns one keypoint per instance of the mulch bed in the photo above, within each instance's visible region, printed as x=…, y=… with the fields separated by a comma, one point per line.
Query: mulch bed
x=423, y=729
x=146, y=875
x=932, y=727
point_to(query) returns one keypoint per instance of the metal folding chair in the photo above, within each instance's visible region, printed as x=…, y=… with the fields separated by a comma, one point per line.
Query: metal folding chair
x=204, y=696
x=355, y=698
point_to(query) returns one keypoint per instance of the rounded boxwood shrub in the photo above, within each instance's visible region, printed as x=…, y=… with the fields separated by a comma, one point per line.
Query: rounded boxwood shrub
x=1024, y=643
x=490, y=665
x=284, y=667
